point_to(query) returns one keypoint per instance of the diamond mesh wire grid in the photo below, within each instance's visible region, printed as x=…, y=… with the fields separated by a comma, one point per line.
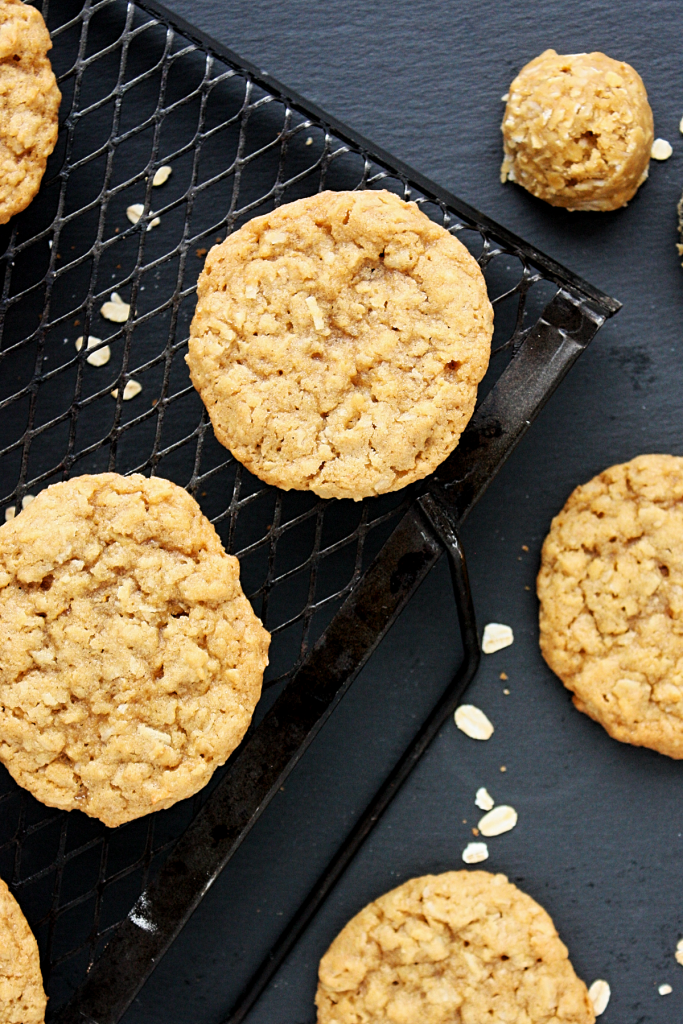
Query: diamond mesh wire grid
x=138, y=95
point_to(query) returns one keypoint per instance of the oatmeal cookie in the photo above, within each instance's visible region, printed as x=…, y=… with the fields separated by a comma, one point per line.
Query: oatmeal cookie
x=22, y=999
x=578, y=131
x=29, y=104
x=611, y=593
x=338, y=343
x=459, y=948
x=130, y=659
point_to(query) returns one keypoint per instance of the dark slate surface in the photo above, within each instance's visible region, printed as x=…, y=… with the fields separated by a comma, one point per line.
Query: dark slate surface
x=599, y=840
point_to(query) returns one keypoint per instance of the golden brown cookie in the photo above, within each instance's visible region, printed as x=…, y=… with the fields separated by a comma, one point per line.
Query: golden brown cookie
x=578, y=131
x=459, y=948
x=611, y=592
x=338, y=343
x=22, y=999
x=29, y=105
x=130, y=659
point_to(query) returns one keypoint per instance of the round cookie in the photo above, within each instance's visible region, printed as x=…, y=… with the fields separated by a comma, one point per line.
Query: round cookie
x=338, y=343
x=611, y=593
x=459, y=948
x=22, y=999
x=29, y=105
x=578, y=131
x=130, y=659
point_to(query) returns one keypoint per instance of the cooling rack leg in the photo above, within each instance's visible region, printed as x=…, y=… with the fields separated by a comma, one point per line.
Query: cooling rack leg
x=437, y=515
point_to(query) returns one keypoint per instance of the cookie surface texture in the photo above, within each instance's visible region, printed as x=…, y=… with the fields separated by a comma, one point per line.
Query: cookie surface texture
x=577, y=131
x=131, y=661
x=29, y=105
x=22, y=999
x=458, y=948
x=611, y=593
x=338, y=343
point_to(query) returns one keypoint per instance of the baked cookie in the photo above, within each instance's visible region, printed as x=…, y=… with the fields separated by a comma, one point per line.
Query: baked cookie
x=29, y=105
x=338, y=343
x=578, y=131
x=130, y=659
x=459, y=948
x=22, y=999
x=611, y=593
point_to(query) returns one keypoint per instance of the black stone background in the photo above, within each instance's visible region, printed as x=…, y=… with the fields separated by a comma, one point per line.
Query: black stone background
x=599, y=841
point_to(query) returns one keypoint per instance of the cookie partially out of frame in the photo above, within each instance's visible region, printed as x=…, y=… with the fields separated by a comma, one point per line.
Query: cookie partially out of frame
x=611, y=592
x=338, y=343
x=22, y=999
x=130, y=659
x=459, y=948
x=29, y=105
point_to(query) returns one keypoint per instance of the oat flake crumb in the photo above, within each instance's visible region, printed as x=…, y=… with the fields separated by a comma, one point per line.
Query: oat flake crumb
x=99, y=358
x=134, y=212
x=475, y=853
x=27, y=499
x=496, y=637
x=473, y=722
x=131, y=389
x=661, y=149
x=484, y=800
x=665, y=990
x=10, y=513
x=599, y=994
x=116, y=309
x=162, y=175
x=500, y=819
x=679, y=947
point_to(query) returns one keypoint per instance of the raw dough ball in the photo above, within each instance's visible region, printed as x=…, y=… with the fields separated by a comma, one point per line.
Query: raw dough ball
x=578, y=131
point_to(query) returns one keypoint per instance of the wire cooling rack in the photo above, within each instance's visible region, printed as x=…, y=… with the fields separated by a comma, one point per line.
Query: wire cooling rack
x=142, y=90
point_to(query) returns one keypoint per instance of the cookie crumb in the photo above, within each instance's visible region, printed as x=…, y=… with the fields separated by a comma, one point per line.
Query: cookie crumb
x=503, y=675
x=99, y=358
x=599, y=994
x=503, y=768
x=665, y=990
x=661, y=149
x=116, y=309
x=473, y=722
x=162, y=175
x=475, y=853
x=501, y=819
x=525, y=547
x=496, y=637
x=201, y=253
x=679, y=946
x=475, y=831
x=484, y=800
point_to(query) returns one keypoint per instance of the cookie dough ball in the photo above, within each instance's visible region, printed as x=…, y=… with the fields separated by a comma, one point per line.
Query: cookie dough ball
x=22, y=999
x=29, y=105
x=457, y=948
x=338, y=343
x=578, y=131
x=130, y=660
x=611, y=593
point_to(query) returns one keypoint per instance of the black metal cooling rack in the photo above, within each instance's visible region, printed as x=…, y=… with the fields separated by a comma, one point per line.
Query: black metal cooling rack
x=141, y=90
